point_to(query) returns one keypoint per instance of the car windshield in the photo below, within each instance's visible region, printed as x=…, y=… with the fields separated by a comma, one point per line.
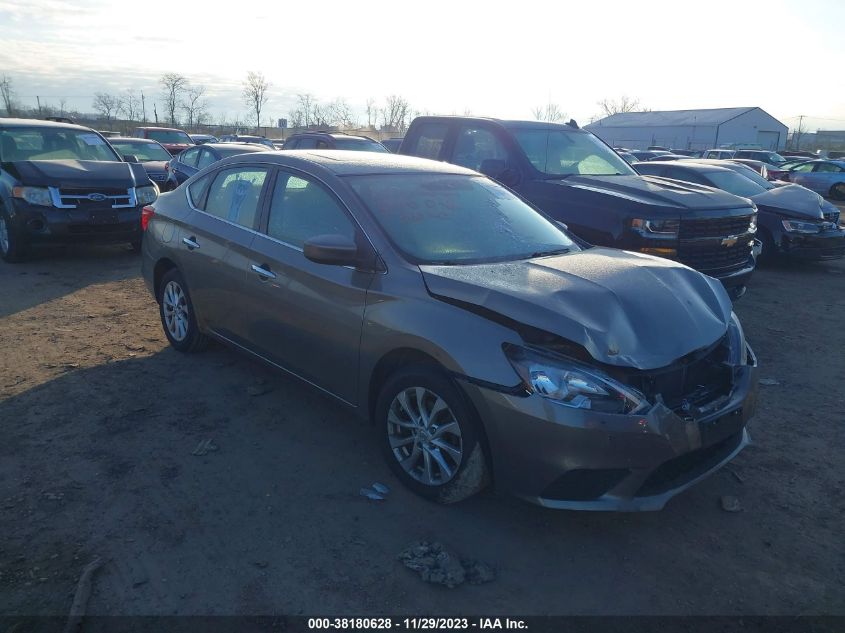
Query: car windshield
x=732, y=182
x=144, y=152
x=169, y=136
x=49, y=143
x=456, y=219
x=359, y=145
x=560, y=153
x=747, y=172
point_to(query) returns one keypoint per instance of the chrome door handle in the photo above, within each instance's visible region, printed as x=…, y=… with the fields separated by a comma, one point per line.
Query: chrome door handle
x=190, y=243
x=263, y=272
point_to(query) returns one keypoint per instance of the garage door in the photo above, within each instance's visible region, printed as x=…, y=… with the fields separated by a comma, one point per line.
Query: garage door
x=768, y=140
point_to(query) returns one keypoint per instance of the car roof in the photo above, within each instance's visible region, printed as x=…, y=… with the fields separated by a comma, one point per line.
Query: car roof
x=134, y=139
x=169, y=129
x=333, y=135
x=351, y=163
x=9, y=122
x=247, y=147
x=692, y=162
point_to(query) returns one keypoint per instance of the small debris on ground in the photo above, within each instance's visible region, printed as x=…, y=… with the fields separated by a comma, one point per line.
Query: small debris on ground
x=731, y=504
x=736, y=475
x=769, y=381
x=437, y=565
x=381, y=488
x=205, y=447
x=369, y=493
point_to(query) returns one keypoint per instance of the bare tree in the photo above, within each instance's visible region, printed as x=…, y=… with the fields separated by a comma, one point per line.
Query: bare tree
x=8, y=94
x=395, y=113
x=551, y=113
x=255, y=94
x=341, y=113
x=623, y=104
x=295, y=118
x=107, y=106
x=303, y=116
x=195, y=105
x=798, y=133
x=372, y=113
x=131, y=105
x=321, y=115
x=62, y=106
x=173, y=86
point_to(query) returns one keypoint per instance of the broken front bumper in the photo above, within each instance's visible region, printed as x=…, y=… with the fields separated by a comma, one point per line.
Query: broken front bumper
x=561, y=457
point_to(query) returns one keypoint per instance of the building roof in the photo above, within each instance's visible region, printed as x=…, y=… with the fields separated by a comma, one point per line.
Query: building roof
x=667, y=118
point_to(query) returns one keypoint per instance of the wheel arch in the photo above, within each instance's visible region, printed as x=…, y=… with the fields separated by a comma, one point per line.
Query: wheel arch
x=162, y=267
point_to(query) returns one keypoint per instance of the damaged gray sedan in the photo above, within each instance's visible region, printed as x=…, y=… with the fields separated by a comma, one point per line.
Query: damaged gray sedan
x=482, y=341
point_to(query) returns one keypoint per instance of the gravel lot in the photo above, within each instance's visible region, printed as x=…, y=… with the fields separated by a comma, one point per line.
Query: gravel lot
x=100, y=419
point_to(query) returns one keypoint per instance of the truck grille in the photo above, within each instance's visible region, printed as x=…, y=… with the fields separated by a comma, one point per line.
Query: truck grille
x=715, y=258
x=90, y=199
x=714, y=227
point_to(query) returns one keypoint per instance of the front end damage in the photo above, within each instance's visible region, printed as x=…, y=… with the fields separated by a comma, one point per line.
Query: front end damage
x=692, y=422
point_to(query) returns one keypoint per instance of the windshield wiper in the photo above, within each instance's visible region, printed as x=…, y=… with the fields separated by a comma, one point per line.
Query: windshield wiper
x=559, y=251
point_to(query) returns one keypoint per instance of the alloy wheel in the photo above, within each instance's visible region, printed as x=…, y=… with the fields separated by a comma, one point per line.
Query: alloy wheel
x=425, y=436
x=175, y=307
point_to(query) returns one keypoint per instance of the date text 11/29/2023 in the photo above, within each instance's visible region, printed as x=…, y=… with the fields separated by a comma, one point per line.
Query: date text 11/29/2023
x=412, y=624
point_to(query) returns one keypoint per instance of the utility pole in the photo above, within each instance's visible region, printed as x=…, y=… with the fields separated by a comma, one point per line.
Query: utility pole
x=800, y=124
x=38, y=99
x=143, y=109
x=155, y=112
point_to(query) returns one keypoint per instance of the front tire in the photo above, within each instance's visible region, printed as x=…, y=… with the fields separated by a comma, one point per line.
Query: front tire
x=430, y=435
x=178, y=317
x=12, y=247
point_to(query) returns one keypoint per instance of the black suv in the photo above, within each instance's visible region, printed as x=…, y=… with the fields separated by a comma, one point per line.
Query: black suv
x=333, y=140
x=577, y=179
x=65, y=183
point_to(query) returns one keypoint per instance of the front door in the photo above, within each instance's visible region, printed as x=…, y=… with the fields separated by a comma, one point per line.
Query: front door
x=303, y=316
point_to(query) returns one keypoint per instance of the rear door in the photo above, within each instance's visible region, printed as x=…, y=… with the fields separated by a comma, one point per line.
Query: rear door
x=805, y=175
x=215, y=241
x=303, y=316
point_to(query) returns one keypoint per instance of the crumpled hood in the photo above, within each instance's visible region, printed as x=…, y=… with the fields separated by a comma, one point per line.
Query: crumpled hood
x=626, y=309
x=794, y=200
x=81, y=173
x=656, y=191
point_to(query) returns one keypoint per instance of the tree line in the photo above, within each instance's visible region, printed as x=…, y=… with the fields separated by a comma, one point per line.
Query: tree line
x=185, y=103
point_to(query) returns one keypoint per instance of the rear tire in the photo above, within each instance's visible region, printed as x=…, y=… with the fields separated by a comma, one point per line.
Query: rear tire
x=12, y=247
x=837, y=191
x=430, y=435
x=178, y=318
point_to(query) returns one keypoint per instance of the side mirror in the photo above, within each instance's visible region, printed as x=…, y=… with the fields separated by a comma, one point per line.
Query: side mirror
x=334, y=250
x=130, y=158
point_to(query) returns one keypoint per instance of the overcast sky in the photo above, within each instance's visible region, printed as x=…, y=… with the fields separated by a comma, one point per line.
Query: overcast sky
x=492, y=58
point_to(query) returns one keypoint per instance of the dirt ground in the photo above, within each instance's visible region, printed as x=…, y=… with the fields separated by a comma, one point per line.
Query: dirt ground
x=99, y=420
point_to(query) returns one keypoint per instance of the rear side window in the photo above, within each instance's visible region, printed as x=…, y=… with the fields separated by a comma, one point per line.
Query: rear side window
x=302, y=209
x=828, y=168
x=306, y=143
x=234, y=195
x=321, y=144
x=475, y=145
x=206, y=159
x=197, y=189
x=189, y=157
x=430, y=139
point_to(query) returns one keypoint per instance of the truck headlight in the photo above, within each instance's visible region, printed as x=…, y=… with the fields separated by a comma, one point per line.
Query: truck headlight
x=736, y=339
x=794, y=226
x=146, y=195
x=656, y=228
x=572, y=384
x=34, y=195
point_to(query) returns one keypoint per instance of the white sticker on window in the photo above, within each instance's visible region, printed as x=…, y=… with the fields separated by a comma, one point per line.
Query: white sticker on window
x=92, y=139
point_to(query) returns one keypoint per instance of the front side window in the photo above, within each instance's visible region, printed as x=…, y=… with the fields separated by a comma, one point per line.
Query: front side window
x=828, y=168
x=804, y=167
x=234, y=195
x=430, y=139
x=302, y=209
x=48, y=143
x=557, y=152
x=456, y=219
x=475, y=145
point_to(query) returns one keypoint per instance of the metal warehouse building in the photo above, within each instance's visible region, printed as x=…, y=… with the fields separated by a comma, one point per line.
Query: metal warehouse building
x=692, y=129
